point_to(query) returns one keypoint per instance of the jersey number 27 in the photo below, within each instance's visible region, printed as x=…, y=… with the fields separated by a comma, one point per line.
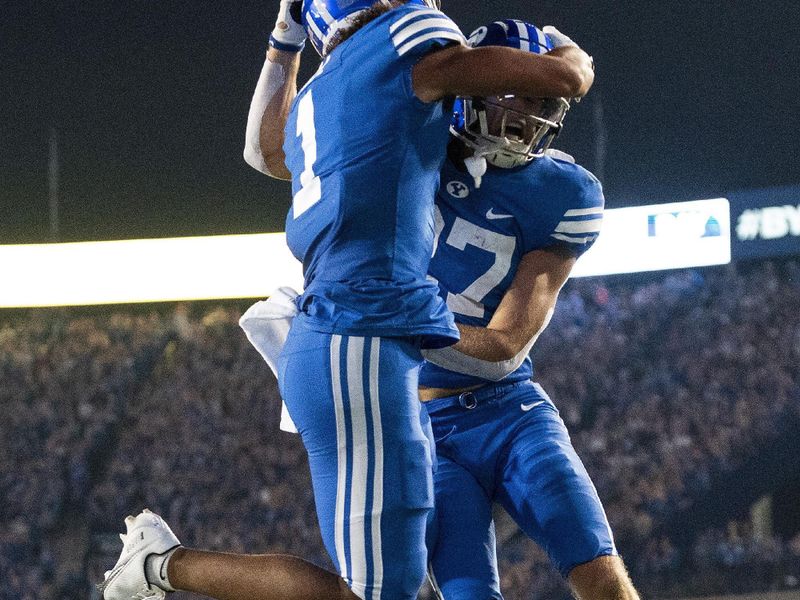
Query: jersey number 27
x=463, y=233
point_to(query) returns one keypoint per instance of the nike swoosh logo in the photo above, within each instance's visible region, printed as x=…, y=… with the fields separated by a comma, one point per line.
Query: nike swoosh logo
x=527, y=407
x=491, y=215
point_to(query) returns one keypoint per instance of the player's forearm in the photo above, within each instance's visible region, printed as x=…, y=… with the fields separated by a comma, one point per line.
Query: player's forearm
x=493, y=344
x=565, y=72
x=269, y=110
x=485, y=344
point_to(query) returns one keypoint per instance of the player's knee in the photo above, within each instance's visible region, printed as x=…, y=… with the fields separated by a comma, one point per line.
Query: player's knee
x=603, y=578
x=403, y=579
x=416, y=477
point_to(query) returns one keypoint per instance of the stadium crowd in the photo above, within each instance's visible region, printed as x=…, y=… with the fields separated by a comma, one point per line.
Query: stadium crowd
x=664, y=381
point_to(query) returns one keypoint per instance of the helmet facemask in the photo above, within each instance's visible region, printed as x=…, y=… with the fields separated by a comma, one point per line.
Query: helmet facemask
x=509, y=131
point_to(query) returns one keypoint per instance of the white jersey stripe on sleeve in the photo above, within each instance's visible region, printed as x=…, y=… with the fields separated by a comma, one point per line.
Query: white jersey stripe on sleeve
x=582, y=212
x=324, y=12
x=361, y=452
x=341, y=458
x=447, y=35
x=377, y=479
x=573, y=239
x=590, y=226
x=417, y=26
x=429, y=12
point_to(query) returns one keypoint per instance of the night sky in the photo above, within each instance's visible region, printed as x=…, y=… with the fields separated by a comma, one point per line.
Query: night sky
x=149, y=101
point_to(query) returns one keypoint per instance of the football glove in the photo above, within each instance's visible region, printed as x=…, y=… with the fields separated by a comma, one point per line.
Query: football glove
x=558, y=39
x=289, y=34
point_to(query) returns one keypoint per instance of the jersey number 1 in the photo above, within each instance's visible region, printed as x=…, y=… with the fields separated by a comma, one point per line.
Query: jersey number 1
x=310, y=190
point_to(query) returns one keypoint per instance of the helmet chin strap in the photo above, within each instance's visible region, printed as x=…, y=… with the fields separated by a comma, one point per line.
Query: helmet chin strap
x=476, y=165
x=506, y=160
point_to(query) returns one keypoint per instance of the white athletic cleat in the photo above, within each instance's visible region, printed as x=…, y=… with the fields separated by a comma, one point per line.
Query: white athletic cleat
x=145, y=535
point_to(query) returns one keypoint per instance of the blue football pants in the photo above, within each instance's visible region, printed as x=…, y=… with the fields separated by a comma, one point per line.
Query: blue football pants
x=355, y=403
x=508, y=444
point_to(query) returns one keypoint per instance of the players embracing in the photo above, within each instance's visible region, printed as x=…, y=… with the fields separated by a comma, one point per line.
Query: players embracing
x=363, y=143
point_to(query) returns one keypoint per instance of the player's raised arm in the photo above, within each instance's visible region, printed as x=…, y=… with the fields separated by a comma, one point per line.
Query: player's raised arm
x=459, y=70
x=274, y=93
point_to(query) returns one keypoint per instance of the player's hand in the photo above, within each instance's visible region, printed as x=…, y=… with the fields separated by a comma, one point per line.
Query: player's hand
x=289, y=34
x=558, y=39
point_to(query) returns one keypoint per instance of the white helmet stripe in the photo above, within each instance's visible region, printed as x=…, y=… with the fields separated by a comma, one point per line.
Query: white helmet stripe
x=315, y=28
x=323, y=12
x=523, y=36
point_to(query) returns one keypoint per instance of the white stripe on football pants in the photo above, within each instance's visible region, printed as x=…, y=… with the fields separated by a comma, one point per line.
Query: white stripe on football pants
x=341, y=457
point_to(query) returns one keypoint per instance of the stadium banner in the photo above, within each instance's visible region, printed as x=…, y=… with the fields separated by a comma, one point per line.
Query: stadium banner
x=660, y=236
x=766, y=222
x=643, y=238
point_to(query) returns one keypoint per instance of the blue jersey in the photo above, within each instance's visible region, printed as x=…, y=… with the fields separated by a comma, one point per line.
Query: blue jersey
x=483, y=233
x=365, y=155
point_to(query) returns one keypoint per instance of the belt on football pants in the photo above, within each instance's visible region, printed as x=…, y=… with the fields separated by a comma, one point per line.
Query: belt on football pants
x=473, y=398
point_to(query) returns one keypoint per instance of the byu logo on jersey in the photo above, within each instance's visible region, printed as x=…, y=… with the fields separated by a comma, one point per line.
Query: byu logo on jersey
x=457, y=189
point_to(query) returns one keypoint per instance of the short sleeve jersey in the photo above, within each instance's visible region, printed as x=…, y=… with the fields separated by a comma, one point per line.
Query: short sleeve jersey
x=483, y=233
x=365, y=155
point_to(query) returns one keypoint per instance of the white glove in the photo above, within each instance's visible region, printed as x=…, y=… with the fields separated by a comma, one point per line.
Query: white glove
x=558, y=39
x=289, y=34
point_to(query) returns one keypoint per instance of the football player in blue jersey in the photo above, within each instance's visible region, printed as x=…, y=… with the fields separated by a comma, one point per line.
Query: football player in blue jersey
x=506, y=241
x=363, y=143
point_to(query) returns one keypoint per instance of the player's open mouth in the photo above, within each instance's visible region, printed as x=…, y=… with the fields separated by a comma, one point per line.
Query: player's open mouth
x=515, y=131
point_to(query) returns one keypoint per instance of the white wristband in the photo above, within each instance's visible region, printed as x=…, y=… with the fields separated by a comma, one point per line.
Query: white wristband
x=451, y=359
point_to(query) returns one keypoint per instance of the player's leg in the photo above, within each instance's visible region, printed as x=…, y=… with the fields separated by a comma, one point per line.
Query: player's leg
x=370, y=460
x=548, y=492
x=253, y=577
x=152, y=562
x=463, y=561
x=604, y=578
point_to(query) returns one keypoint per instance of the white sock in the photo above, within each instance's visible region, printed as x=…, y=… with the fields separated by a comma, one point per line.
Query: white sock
x=155, y=569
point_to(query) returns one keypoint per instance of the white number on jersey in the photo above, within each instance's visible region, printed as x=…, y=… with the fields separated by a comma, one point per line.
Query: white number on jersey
x=310, y=190
x=469, y=302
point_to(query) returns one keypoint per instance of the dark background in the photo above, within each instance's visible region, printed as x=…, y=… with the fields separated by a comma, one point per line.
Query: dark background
x=149, y=100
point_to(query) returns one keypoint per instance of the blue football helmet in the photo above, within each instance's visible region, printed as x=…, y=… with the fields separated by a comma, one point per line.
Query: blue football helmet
x=509, y=131
x=323, y=18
